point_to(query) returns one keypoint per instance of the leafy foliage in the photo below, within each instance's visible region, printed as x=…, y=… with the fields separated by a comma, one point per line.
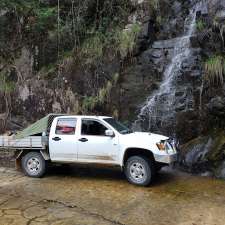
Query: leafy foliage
x=85, y=31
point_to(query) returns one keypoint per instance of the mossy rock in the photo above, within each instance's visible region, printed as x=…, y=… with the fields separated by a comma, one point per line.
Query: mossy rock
x=204, y=153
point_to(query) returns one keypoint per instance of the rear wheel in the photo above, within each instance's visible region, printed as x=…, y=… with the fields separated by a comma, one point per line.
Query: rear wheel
x=33, y=164
x=139, y=170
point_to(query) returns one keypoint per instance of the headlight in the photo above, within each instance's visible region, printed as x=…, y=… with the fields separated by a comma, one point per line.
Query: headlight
x=161, y=145
x=166, y=146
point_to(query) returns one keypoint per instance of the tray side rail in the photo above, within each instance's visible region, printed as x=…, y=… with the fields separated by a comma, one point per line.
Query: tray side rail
x=30, y=142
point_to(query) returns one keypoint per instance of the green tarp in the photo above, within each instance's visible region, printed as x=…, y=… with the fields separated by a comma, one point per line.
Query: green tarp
x=42, y=125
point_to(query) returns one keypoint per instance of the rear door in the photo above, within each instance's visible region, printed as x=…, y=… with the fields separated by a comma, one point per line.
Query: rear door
x=62, y=141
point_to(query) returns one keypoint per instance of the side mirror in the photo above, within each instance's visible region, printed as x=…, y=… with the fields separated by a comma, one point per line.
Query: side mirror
x=109, y=133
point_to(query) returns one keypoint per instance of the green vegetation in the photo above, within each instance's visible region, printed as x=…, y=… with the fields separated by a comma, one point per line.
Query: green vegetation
x=200, y=25
x=43, y=20
x=74, y=37
x=154, y=8
x=215, y=70
x=119, y=40
x=126, y=39
x=38, y=17
x=6, y=87
x=92, y=48
x=154, y=4
x=19, y=5
x=103, y=95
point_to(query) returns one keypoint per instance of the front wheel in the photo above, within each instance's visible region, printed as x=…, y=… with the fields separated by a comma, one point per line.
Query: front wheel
x=139, y=170
x=33, y=164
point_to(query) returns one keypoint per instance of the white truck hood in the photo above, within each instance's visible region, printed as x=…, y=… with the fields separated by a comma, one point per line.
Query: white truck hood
x=146, y=136
x=142, y=140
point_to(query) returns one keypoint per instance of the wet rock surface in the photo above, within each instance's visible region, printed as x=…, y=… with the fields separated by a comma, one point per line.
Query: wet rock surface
x=99, y=196
x=205, y=155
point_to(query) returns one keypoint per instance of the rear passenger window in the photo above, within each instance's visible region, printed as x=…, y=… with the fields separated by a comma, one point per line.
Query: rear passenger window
x=66, y=126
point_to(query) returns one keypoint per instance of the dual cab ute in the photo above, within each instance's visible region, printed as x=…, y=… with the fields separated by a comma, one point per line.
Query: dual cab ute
x=90, y=140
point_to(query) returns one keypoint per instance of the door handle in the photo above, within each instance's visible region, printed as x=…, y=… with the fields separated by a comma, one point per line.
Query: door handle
x=56, y=139
x=83, y=139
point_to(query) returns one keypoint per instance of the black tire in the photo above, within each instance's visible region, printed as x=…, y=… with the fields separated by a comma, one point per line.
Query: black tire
x=33, y=164
x=142, y=165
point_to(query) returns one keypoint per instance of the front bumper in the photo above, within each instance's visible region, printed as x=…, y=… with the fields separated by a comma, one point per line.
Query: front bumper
x=168, y=159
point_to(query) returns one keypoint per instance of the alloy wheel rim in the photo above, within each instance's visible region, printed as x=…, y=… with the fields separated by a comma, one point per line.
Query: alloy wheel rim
x=33, y=165
x=137, y=172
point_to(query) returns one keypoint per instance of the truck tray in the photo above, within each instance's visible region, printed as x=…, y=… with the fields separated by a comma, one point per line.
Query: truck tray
x=30, y=142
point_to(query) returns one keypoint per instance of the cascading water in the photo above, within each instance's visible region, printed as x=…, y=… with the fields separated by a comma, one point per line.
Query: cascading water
x=159, y=109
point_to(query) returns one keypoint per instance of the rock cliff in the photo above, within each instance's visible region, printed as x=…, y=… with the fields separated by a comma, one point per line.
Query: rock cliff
x=158, y=65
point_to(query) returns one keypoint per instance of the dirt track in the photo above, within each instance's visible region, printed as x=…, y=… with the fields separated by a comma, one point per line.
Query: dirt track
x=102, y=196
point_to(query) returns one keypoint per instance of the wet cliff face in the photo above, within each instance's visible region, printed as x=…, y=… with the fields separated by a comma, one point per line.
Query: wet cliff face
x=157, y=65
x=187, y=100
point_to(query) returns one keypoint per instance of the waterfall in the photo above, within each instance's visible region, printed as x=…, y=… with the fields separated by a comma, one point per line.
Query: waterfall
x=160, y=106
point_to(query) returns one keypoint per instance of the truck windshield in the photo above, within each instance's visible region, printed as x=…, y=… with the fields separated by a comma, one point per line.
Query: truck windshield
x=118, y=126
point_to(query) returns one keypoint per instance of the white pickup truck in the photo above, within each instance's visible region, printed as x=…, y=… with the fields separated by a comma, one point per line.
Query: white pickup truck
x=91, y=139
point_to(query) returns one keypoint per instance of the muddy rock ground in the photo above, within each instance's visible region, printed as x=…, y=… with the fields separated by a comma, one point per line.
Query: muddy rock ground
x=75, y=195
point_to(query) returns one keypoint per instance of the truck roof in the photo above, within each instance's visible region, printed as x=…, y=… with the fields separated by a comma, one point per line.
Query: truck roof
x=44, y=124
x=84, y=116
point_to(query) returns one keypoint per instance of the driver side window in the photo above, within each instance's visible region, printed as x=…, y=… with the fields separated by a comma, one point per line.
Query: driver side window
x=92, y=127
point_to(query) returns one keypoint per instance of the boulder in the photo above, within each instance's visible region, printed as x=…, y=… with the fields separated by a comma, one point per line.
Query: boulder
x=205, y=154
x=216, y=106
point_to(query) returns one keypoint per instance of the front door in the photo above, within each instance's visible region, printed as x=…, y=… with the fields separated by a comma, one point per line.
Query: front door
x=63, y=141
x=94, y=146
